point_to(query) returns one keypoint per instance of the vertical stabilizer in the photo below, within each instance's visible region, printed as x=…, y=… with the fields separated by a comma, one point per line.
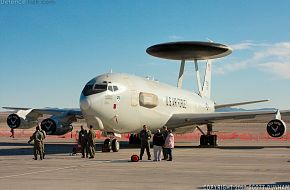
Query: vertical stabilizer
x=206, y=88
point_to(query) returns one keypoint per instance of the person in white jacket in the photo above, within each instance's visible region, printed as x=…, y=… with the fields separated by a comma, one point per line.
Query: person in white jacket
x=169, y=144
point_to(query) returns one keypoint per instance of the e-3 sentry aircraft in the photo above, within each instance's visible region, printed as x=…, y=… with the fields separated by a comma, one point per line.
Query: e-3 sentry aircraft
x=120, y=103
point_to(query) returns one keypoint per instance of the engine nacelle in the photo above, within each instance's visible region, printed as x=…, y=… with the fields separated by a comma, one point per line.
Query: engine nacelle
x=15, y=121
x=52, y=126
x=276, y=128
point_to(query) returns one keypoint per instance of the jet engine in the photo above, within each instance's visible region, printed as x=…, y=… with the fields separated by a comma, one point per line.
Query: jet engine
x=276, y=128
x=54, y=126
x=21, y=121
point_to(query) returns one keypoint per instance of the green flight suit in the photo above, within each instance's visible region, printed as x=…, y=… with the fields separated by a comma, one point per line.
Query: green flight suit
x=37, y=137
x=91, y=143
x=145, y=136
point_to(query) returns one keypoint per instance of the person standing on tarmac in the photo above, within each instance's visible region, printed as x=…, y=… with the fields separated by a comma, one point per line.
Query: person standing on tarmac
x=145, y=136
x=169, y=144
x=44, y=136
x=83, y=141
x=91, y=142
x=158, y=142
x=164, y=133
x=12, y=133
x=37, y=137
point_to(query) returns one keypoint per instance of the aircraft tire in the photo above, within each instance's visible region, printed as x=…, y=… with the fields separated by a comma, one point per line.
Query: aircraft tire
x=115, y=145
x=106, y=146
x=202, y=140
x=132, y=139
x=213, y=140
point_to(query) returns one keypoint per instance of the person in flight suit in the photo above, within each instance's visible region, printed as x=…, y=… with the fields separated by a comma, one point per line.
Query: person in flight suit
x=37, y=137
x=83, y=141
x=44, y=136
x=145, y=136
x=91, y=142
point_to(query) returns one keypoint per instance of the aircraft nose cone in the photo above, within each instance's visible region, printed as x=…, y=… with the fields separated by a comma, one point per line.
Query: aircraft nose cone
x=84, y=103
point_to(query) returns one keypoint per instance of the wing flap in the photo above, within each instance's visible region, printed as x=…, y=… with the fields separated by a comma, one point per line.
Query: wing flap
x=218, y=106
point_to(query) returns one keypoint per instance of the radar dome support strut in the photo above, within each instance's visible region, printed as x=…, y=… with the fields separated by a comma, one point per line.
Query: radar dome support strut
x=191, y=50
x=197, y=75
x=181, y=72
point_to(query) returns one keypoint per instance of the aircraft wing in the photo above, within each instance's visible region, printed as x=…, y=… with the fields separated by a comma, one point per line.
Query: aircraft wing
x=187, y=119
x=218, y=106
x=58, y=124
x=49, y=111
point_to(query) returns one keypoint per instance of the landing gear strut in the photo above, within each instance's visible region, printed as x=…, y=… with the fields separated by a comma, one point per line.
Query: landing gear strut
x=111, y=144
x=208, y=139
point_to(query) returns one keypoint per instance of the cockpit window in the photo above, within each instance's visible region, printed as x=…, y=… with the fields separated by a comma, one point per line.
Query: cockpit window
x=94, y=89
x=115, y=88
x=100, y=88
x=110, y=88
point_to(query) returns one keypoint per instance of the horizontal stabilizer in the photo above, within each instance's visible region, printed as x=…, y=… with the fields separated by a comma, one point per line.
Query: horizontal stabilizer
x=217, y=106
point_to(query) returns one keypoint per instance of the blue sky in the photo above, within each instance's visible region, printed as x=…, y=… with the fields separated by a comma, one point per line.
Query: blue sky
x=49, y=51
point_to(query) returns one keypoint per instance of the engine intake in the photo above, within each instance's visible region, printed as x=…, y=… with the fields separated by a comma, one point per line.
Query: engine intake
x=13, y=121
x=276, y=128
x=53, y=126
x=49, y=126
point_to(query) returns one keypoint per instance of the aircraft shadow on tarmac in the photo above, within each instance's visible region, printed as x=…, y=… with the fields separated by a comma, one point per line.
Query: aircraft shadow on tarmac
x=126, y=145
x=66, y=148
x=246, y=186
x=26, y=149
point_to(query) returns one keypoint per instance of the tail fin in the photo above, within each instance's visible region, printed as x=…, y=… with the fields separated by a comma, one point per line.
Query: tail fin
x=206, y=88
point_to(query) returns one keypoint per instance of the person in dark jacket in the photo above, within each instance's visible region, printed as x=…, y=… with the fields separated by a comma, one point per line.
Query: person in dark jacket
x=164, y=133
x=158, y=142
x=83, y=141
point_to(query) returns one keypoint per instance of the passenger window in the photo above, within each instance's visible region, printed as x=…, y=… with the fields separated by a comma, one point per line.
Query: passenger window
x=115, y=88
x=110, y=88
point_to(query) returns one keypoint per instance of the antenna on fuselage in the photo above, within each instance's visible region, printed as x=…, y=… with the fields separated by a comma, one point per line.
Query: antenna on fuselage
x=191, y=51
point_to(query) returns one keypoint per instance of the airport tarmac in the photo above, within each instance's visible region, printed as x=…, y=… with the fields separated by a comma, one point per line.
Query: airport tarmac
x=233, y=163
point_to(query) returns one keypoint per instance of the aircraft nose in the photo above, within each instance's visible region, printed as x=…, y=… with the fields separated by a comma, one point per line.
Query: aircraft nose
x=85, y=103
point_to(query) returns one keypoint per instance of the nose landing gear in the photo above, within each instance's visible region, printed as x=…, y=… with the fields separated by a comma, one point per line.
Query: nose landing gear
x=111, y=144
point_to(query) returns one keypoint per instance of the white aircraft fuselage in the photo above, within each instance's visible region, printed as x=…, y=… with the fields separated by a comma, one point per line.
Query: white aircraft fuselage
x=135, y=102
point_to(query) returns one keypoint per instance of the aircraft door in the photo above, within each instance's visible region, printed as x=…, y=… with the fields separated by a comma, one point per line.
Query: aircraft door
x=110, y=107
x=133, y=110
x=134, y=98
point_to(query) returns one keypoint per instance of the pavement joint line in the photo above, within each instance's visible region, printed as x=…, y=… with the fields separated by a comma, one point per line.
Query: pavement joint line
x=56, y=169
x=36, y=172
x=51, y=170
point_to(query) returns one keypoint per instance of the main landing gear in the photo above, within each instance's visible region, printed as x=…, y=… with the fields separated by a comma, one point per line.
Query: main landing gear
x=111, y=144
x=208, y=139
x=134, y=139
